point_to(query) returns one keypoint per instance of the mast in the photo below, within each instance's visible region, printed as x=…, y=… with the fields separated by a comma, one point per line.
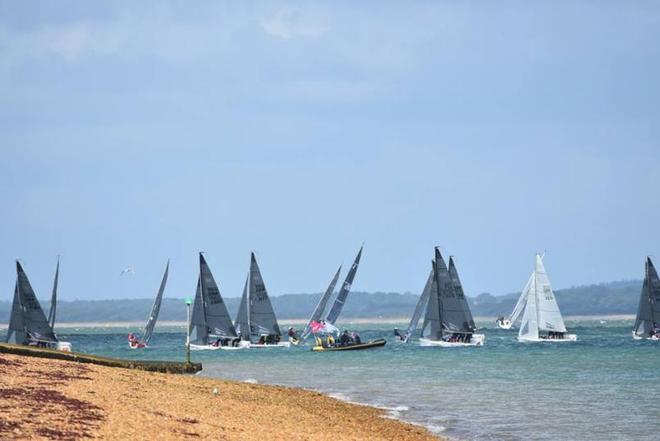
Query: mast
x=338, y=305
x=155, y=309
x=53, y=298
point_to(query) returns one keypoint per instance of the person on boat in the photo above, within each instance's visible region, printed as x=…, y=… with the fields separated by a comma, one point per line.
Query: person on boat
x=331, y=340
x=398, y=334
x=262, y=340
x=356, y=338
x=345, y=338
x=318, y=340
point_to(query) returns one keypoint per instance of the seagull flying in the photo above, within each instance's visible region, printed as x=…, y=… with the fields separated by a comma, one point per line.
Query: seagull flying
x=128, y=270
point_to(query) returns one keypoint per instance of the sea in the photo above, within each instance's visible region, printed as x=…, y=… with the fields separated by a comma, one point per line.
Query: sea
x=605, y=386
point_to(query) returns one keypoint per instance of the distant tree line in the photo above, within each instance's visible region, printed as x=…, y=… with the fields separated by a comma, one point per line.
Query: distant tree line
x=601, y=299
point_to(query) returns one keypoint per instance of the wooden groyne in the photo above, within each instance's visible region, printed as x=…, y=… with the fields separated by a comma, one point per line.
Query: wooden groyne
x=170, y=367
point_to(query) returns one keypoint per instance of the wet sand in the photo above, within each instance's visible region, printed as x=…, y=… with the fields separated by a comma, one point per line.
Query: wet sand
x=54, y=399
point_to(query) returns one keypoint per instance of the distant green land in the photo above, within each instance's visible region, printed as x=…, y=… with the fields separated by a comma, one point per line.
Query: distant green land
x=602, y=299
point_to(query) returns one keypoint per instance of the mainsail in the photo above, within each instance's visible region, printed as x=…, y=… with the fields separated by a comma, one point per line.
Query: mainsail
x=456, y=314
x=648, y=311
x=242, y=324
x=421, y=304
x=155, y=309
x=217, y=317
x=549, y=317
x=261, y=314
x=53, y=298
x=199, y=331
x=343, y=292
x=34, y=320
x=320, y=307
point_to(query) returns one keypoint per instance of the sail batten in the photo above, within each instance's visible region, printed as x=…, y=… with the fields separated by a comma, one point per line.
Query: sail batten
x=155, y=309
x=338, y=304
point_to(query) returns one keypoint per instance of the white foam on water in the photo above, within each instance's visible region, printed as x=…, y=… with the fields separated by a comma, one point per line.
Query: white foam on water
x=251, y=381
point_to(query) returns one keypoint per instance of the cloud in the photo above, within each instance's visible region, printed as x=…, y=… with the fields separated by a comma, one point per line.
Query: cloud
x=290, y=23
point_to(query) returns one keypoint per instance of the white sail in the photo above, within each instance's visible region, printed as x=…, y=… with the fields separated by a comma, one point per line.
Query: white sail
x=520, y=306
x=549, y=317
x=529, y=328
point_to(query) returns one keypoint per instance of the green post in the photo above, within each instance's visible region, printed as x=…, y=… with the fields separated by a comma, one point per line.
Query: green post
x=188, y=303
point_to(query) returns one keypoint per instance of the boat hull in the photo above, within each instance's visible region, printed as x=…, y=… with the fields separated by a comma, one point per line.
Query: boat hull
x=567, y=338
x=282, y=344
x=639, y=337
x=367, y=345
x=476, y=340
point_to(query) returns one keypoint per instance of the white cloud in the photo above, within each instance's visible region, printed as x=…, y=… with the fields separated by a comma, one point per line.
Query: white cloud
x=290, y=23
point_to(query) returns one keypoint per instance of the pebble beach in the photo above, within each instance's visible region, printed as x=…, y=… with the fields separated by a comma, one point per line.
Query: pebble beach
x=55, y=399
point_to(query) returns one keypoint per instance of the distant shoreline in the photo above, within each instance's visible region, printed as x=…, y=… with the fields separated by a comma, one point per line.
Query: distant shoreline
x=298, y=322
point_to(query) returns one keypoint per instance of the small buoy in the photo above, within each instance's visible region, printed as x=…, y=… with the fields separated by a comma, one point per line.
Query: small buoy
x=215, y=391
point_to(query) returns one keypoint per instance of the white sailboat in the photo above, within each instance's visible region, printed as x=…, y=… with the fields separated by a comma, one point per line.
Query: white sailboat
x=541, y=320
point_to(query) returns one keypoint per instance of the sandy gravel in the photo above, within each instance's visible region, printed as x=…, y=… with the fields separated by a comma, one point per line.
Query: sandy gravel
x=53, y=399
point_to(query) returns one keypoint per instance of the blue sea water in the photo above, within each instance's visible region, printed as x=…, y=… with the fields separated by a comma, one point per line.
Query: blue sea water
x=604, y=386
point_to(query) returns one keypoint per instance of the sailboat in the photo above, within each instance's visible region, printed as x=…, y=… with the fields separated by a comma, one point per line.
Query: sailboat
x=28, y=324
x=448, y=320
x=256, y=321
x=210, y=326
x=133, y=341
x=320, y=307
x=541, y=320
x=346, y=342
x=648, y=311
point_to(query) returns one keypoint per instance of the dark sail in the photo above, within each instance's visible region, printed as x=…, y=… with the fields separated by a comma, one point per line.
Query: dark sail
x=432, y=327
x=53, y=297
x=419, y=308
x=16, y=333
x=262, y=316
x=199, y=332
x=242, y=324
x=151, y=323
x=34, y=319
x=217, y=316
x=456, y=314
x=320, y=307
x=343, y=292
x=648, y=311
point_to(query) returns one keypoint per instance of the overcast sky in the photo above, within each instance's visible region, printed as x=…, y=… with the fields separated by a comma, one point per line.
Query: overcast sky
x=133, y=133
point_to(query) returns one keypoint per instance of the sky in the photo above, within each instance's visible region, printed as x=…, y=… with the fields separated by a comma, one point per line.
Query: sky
x=134, y=132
